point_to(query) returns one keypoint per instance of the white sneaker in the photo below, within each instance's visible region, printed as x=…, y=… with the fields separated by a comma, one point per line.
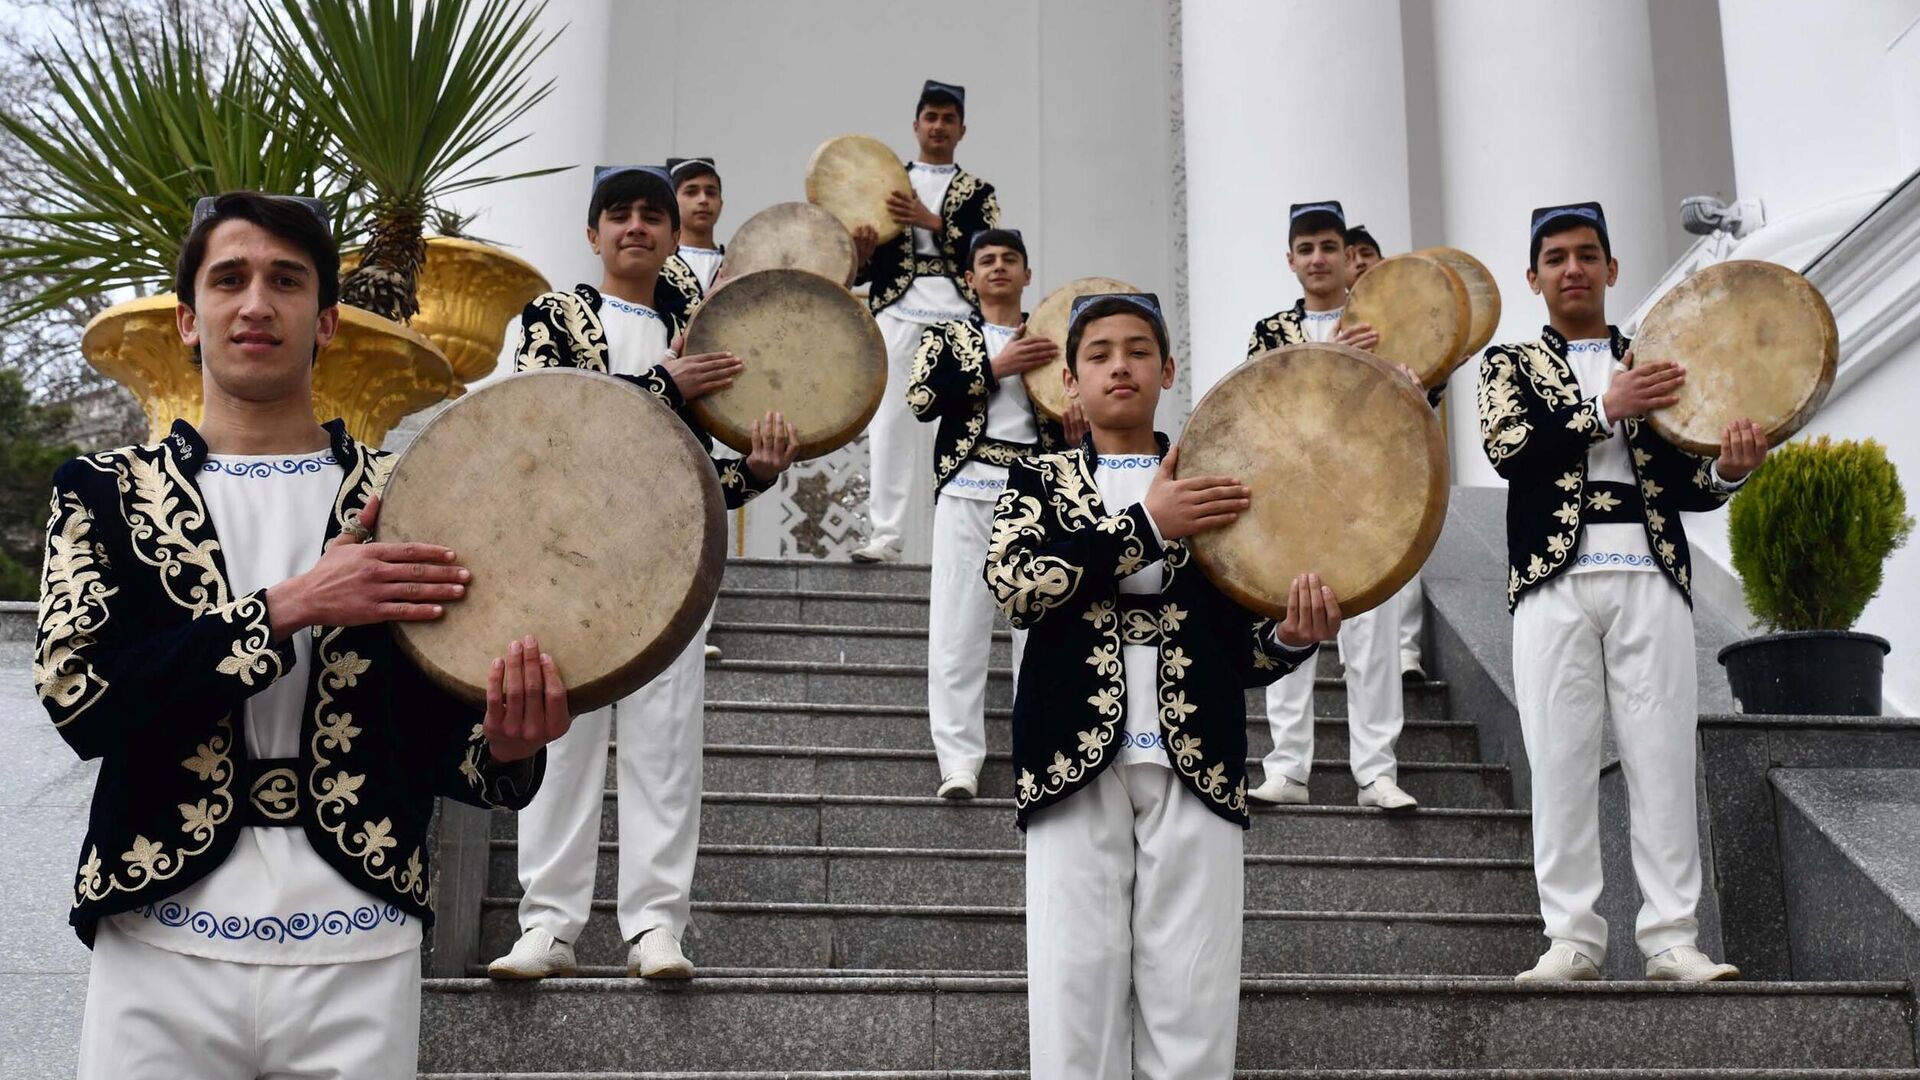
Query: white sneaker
x=876, y=551
x=1561, y=963
x=1280, y=791
x=960, y=785
x=1684, y=963
x=1387, y=795
x=1411, y=671
x=713, y=652
x=535, y=956
x=657, y=955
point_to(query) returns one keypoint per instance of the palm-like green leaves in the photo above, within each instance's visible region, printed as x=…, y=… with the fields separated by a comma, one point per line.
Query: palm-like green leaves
x=142, y=132
x=416, y=100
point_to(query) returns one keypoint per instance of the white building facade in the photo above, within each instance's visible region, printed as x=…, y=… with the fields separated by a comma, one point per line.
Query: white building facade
x=1160, y=141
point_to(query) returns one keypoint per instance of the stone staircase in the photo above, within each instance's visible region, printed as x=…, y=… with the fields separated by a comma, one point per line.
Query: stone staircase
x=847, y=924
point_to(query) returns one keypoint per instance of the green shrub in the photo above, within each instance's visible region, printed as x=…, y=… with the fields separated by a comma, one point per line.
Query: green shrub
x=1811, y=532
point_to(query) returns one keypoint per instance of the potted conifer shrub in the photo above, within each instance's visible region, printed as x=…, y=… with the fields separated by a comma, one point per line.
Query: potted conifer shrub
x=1810, y=533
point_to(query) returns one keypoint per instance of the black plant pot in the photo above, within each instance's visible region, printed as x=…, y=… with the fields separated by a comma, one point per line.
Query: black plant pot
x=1806, y=673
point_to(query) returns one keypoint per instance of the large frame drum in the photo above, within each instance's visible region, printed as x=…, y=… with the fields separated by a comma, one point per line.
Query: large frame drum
x=850, y=177
x=1044, y=383
x=1433, y=308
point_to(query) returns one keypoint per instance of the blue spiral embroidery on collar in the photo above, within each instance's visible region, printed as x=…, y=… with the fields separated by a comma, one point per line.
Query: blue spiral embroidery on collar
x=618, y=304
x=1129, y=461
x=261, y=470
x=1141, y=740
x=299, y=926
x=1591, y=345
x=984, y=485
x=1614, y=558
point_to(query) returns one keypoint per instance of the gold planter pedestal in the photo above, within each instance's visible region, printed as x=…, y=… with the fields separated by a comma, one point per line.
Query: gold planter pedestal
x=373, y=373
x=469, y=293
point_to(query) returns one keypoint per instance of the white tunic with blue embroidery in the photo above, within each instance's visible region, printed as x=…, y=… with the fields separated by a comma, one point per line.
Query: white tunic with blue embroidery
x=1617, y=545
x=1009, y=419
x=1123, y=479
x=273, y=901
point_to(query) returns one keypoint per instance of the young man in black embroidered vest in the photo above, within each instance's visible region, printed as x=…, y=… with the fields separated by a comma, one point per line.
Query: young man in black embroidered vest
x=915, y=281
x=633, y=223
x=967, y=375
x=687, y=275
x=212, y=630
x=1129, y=743
x=1598, y=582
x=1369, y=642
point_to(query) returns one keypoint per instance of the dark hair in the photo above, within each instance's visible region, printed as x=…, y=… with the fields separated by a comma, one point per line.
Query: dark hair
x=1100, y=309
x=1358, y=235
x=940, y=97
x=636, y=187
x=1566, y=224
x=1006, y=238
x=284, y=218
x=694, y=170
x=1315, y=222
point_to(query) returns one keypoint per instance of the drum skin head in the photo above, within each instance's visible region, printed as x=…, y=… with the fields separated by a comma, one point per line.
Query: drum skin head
x=1483, y=296
x=1758, y=342
x=811, y=350
x=1348, y=470
x=1044, y=383
x=1422, y=310
x=850, y=177
x=590, y=518
x=790, y=236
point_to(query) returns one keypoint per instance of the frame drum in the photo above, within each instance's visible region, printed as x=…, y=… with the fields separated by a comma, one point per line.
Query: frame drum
x=1049, y=320
x=1433, y=308
x=850, y=177
x=790, y=236
x=1347, y=466
x=533, y=482
x=811, y=350
x=1758, y=342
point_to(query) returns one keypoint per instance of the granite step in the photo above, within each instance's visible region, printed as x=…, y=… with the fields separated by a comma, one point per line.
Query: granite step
x=904, y=727
x=907, y=1023
x=882, y=578
x=1243, y=1074
x=846, y=875
x=906, y=937
x=926, y=822
x=893, y=684
x=838, y=644
x=837, y=770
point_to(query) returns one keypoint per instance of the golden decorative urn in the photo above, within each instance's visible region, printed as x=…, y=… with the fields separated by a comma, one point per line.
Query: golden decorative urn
x=469, y=293
x=374, y=372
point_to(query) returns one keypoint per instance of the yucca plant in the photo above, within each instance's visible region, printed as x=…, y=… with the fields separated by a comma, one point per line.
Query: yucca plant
x=415, y=99
x=142, y=131
x=1811, y=531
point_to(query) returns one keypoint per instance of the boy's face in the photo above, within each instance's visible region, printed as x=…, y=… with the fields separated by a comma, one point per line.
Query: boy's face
x=256, y=316
x=1573, y=274
x=1319, y=260
x=634, y=238
x=1360, y=259
x=999, y=273
x=700, y=202
x=1118, y=372
x=938, y=128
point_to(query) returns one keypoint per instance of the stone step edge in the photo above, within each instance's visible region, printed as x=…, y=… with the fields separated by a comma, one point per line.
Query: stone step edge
x=830, y=667
x=892, y=753
x=1734, y=1073
x=847, y=708
x=619, y=971
x=958, y=911
x=1435, y=986
x=770, y=798
x=1395, y=862
x=748, y=592
x=814, y=629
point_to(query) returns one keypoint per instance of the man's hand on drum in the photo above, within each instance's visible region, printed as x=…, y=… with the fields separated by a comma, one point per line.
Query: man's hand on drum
x=526, y=702
x=359, y=581
x=775, y=442
x=865, y=239
x=1743, y=446
x=1312, y=613
x=908, y=210
x=1359, y=335
x=1023, y=354
x=1187, y=505
x=702, y=373
x=1074, y=424
x=1637, y=391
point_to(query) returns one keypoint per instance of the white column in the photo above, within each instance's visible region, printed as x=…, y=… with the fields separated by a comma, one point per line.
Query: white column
x=1540, y=104
x=1286, y=101
x=1813, y=99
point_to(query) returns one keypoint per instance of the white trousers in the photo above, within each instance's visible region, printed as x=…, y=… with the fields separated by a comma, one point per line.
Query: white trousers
x=1413, y=620
x=1376, y=707
x=154, y=1014
x=900, y=447
x=1587, y=647
x=960, y=615
x=1134, y=888
x=657, y=776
